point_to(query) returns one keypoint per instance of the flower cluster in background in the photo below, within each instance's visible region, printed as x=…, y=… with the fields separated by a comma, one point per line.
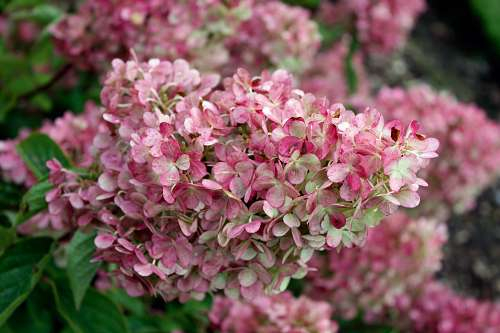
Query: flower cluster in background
x=438, y=309
x=280, y=313
x=212, y=35
x=382, y=26
x=398, y=259
x=469, y=144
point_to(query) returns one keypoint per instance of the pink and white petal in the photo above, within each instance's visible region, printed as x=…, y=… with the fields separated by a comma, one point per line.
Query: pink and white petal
x=338, y=172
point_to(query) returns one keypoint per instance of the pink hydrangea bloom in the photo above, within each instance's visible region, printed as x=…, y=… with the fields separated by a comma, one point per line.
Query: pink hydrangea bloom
x=469, y=144
x=201, y=189
x=235, y=189
x=440, y=310
x=277, y=314
x=276, y=35
x=104, y=29
x=210, y=34
x=327, y=76
x=12, y=167
x=399, y=258
x=382, y=26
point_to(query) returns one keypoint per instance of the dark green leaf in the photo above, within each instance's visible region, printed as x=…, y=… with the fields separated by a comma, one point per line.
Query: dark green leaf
x=36, y=150
x=33, y=315
x=10, y=195
x=190, y=317
x=43, y=13
x=312, y=4
x=80, y=270
x=489, y=12
x=149, y=324
x=130, y=304
x=329, y=34
x=357, y=325
x=350, y=70
x=7, y=104
x=42, y=102
x=7, y=237
x=33, y=201
x=97, y=312
x=20, y=269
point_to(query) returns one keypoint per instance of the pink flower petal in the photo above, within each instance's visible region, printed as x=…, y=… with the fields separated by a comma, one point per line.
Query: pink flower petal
x=338, y=172
x=104, y=241
x=275, y=196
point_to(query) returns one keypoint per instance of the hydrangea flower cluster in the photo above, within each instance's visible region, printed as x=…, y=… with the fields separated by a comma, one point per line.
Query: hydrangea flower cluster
x=214, y=35
x=441, y=310
x=275, y=36
x=470, y=144
x=201, y=189
x=382, y=26
x=235, y=189
x=327, y=76
x=276, y=314
x=399, y=258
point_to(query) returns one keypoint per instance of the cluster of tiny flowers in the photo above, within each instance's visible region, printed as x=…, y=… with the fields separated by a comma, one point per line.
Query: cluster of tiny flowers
x=399, y=258
x=327, y=76
x=469, y=150
x=73, y=134
x=441, y=310
x=272, y=314
x=200, y=189
x=382, y=26
x=276, y=36
x=214, y=35
x=235, y=189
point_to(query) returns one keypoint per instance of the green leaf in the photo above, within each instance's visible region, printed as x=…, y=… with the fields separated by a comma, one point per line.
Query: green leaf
x=7, y=237
x=350, y=70
x=131, y=304
x=489, y=12
x=97, y=312
x=36, y=150
x=20, y=269
x=33, y=201
x=10, y=195
x=34, y=315
x=42, y=101
x=311, y=4
x=148, y=324
x=80, y=269
x=7, y=104
x=357, y=325
x=43, y=13
x=329, y=34
x=190, y=317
